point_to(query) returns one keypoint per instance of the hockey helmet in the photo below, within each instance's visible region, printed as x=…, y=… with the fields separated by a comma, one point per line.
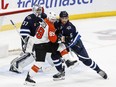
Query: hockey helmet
x=52, y=16
x=37, y=9
x=63, y=14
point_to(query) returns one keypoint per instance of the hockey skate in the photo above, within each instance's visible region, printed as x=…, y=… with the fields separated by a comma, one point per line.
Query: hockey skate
x=102, y=74
x=60, y=75
x=29, y=81
x=70, y=63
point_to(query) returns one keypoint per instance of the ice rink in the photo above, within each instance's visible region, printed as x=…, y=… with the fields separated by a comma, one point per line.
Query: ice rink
x=99, y=37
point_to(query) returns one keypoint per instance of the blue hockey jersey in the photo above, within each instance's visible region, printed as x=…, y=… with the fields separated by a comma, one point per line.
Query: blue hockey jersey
x=69, y=31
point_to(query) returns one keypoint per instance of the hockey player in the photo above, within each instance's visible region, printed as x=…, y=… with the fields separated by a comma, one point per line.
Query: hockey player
x=45, y=41
x=28, y=29
x=72, y=40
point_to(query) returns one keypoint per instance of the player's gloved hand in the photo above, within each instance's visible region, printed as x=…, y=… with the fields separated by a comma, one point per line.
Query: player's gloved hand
x=63, y=39
x=59, y=38
x=43, y=15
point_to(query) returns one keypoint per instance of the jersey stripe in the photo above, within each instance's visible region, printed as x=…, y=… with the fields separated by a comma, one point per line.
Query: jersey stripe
x=78, y=36
x=25, y=32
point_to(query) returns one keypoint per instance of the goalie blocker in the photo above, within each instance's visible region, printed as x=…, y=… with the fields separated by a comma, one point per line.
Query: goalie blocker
x=21, y=61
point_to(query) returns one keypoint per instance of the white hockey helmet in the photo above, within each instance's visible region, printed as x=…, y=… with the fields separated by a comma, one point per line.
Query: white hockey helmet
x=52, y=16
x=37, y=9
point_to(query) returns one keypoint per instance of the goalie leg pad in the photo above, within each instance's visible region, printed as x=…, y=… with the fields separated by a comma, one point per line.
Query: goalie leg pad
x=22, y=61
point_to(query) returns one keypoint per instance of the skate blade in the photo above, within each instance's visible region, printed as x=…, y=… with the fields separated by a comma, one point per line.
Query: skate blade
x=57, y=79
x=29, y=84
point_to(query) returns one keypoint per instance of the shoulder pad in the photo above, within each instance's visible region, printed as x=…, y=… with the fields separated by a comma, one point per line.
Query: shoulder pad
x=31, y=16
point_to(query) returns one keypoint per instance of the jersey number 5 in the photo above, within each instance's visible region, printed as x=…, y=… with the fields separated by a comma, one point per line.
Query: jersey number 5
x=40, y=32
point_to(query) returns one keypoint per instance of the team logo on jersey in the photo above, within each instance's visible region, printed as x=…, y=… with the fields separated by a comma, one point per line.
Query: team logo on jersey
x=68, y=28
x=28, y=17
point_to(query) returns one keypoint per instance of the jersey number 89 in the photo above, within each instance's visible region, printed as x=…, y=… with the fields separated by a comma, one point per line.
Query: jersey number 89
x=40, y=32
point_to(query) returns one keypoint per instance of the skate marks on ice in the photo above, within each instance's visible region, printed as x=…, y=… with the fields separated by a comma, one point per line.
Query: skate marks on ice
x=109, y=34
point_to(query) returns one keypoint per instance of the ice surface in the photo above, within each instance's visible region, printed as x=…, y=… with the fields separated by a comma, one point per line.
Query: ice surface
x=99, y=37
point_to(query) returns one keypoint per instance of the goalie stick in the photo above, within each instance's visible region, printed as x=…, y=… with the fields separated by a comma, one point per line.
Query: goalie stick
x=25, y=42
x=17, y=30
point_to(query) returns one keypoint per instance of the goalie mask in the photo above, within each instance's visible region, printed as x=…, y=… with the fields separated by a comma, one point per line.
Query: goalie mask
x=37, y=10
x=52, y=17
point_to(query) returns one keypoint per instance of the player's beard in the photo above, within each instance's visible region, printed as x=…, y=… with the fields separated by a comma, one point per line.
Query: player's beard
x=64, y=22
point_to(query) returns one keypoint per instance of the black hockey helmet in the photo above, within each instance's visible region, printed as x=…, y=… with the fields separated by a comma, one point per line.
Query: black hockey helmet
x=63, y=14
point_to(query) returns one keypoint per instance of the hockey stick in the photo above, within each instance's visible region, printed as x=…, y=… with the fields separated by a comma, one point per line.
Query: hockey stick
x=20, y=36
x=17, y=30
